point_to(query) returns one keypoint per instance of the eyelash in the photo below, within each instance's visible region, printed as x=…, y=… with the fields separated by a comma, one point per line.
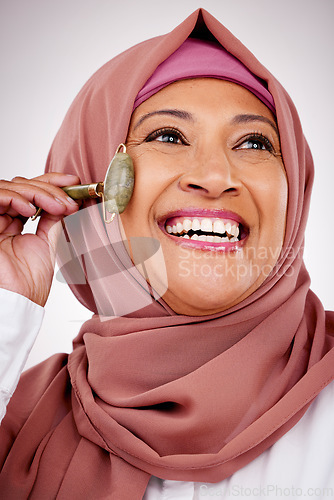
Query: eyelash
x=256, y=137
x=167, y=131
x=252, y=137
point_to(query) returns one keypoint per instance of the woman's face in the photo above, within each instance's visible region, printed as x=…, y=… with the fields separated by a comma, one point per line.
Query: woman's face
x=210, y=186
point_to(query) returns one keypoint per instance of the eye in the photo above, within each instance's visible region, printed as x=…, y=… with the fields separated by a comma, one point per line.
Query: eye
x=255, y=142
x=168, y=136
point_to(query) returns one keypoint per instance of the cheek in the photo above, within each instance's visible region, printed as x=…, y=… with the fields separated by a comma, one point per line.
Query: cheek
x=272, y=206
x=154, y=173
x=270, y=192
x=151, y=179
x=279, y=200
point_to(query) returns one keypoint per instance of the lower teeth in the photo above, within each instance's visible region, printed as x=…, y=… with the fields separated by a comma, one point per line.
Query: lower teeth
x=209, y=238
x=199, y=236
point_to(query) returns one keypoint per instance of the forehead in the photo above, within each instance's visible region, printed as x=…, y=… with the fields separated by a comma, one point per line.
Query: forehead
x=204, y=95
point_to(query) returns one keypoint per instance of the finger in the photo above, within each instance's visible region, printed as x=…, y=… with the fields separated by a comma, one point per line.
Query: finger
x=59, y=179
x=24, y=203
x=15, y=204
x=50, y=198
x=51, y=183
x=48, y=229
x=53, y=178
x=9, y=226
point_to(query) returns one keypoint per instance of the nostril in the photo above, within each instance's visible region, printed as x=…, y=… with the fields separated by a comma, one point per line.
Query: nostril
x=208, y=184
x=195, y=186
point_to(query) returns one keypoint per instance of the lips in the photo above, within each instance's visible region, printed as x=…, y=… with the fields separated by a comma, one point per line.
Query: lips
x=205, y=227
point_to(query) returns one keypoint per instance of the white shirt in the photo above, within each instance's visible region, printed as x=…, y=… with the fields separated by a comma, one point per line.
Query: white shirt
x=300, y=464
x=20, y=322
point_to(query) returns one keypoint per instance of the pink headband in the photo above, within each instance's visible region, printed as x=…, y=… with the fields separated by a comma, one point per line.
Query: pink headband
x=200, y=58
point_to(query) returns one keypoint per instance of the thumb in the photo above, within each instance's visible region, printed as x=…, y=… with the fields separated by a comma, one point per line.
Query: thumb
x=48, y=230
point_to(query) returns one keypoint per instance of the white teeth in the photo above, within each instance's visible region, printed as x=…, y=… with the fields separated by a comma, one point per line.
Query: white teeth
x=179, y=227
x=206, y=226
x=219, y=227
x=196, y=226
x=235, y=231
x=228, y=227
x=187, y=225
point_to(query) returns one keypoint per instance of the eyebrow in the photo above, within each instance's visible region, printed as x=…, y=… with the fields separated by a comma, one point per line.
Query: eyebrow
x=247, y=118
x=184, y=115
x=238, y=119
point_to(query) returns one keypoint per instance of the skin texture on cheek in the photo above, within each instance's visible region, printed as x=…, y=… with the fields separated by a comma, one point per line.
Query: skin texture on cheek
x=223, y=163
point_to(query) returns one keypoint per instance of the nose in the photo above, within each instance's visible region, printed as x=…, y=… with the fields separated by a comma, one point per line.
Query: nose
x=211, y=176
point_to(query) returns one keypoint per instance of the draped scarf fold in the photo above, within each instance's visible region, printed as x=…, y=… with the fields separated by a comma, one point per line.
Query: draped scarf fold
x=146, y=391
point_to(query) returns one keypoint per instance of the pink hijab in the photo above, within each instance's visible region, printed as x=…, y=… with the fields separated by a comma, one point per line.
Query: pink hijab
x=197, y=58
x=152, y=392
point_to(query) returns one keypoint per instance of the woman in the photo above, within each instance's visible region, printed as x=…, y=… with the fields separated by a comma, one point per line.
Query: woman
x=212, y=383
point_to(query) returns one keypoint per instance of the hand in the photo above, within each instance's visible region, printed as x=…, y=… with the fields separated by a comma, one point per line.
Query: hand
x=27, y=260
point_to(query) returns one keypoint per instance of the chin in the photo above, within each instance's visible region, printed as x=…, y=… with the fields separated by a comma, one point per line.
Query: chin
x=204, y=300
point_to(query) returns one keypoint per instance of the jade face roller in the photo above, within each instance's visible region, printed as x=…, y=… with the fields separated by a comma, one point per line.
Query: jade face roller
x=115, y=190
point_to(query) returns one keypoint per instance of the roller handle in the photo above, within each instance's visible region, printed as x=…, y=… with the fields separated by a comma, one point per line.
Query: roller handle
x=84, y=191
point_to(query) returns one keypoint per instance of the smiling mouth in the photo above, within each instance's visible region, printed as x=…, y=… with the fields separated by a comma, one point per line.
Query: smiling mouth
x=206, y=229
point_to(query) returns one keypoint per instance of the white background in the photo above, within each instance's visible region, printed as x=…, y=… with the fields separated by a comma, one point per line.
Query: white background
x=49, y=49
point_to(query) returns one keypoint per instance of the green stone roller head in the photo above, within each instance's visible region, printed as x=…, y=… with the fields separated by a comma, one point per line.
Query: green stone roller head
x=115, y=191
x=119, y=182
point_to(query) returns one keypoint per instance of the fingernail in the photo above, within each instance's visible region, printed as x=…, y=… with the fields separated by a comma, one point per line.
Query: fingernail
x=70, y=200
x=59, y=201
x=32, y=206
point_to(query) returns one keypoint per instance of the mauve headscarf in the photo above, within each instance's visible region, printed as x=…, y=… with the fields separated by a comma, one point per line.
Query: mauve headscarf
x=198, y=58
x=155, y=393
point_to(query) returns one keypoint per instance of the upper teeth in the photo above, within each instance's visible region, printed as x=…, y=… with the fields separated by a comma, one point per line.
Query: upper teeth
x=207, y=226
